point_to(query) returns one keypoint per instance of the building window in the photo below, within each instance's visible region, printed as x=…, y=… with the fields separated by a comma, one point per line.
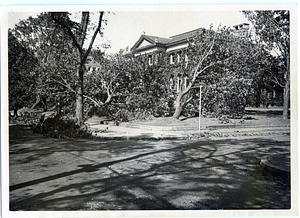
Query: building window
x=150, y=58
x=186, y=60
x=178, y=57
x=156, y=56
x=185, y=83
x=171, y=84
x=171, y=58
x=90, y=69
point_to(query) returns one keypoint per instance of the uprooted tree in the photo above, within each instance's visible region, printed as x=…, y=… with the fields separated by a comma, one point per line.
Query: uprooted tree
x=127, y=89
x=105, y=83
x=219, y=61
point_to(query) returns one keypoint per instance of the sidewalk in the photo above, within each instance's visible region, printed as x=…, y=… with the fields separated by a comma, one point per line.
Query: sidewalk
x=109, y=131
x=132, y=130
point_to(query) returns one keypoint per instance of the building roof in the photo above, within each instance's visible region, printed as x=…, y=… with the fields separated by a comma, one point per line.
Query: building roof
x=241, y=24
x=156, y=39
x=185, y=36
x=153, y=40
x=148, y=41
x=164, y=42
x=91, y=62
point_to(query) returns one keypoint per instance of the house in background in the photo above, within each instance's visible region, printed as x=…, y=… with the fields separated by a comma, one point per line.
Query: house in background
x=153, y=46
x=92, y=65
x=150, y=45
x=241, y=30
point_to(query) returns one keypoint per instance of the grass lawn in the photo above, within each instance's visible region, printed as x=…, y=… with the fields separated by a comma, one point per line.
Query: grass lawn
x=253, y=117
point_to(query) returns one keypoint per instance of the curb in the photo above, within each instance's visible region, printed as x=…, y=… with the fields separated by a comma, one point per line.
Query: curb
x=235, y=126
x=158, y=128
x=278, y=164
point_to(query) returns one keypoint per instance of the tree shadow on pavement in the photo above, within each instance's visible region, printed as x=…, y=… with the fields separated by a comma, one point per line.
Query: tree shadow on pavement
x=147, y=175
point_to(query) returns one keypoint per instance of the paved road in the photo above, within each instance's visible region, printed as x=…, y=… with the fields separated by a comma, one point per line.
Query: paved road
x=56, y=174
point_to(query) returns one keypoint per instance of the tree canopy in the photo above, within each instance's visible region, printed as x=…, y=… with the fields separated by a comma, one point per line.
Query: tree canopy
x=273, y=31
x=223, y=64
x=21, y=66
x=58, y=44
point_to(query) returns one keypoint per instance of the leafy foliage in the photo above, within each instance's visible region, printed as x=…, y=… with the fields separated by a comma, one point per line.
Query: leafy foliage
x=234, y=71
x=128, y=89
x=149, y=89
x=56, y=63
x=272, y=29
x=58, y=43
x=21, y=66
x=223, y=64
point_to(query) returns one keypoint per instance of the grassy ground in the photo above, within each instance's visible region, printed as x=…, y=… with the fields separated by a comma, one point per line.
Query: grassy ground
x=253, y=117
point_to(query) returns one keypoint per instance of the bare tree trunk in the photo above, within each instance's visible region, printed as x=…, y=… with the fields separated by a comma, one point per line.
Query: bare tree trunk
x=286, y=96
x=178, y=110
x=37, y=102
x=79, y=106
x=78, y=42
x=79, y=97
x=40, y=100
x=178, y=106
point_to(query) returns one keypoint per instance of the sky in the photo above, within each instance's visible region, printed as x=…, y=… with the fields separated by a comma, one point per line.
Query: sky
x=125, y=27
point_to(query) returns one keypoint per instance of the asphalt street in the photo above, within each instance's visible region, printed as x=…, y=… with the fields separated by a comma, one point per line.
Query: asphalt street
x=93, y=174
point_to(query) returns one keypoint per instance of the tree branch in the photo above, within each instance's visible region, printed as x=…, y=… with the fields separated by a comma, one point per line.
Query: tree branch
x=84, y=25
x=277, y=82
x=94, y=101
x=271, y=19
x=65, y=85
x=197, y=73
x=94, y=36
x=207, y=53
x=188, y=100
x=69, y=31
x=275, y=78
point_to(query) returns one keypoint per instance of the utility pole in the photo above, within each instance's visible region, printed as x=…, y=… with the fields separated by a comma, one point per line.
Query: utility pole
x=200, y=108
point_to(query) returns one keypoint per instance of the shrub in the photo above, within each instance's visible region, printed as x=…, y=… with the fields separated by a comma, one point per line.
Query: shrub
x=124, y=115
x=62, y=127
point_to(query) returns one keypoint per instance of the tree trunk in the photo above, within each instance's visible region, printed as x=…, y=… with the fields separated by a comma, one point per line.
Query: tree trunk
x=178, y=107
x=79, y=97
x=37, y=102
x=40, y=100
x=286, y=96
x=79, y=105
x=177, y=113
